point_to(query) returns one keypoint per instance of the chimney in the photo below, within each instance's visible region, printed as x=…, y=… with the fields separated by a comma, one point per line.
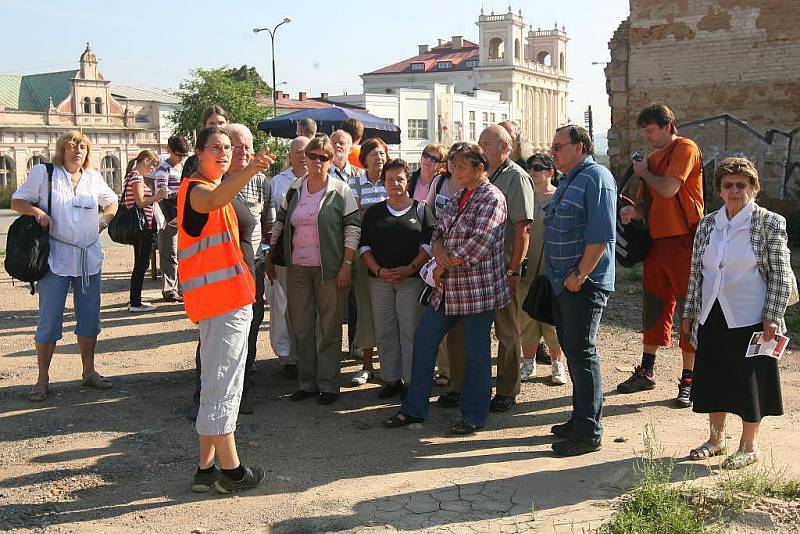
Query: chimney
x=440, y=41
x=458, y=42
x=301, y=96
x=323, y=96
x=423, y=49
x=278, y=95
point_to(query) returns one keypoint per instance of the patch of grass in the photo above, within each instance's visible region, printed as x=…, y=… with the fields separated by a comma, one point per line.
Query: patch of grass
x=656, y=505
x=793, y=322
x=738, y=490
x=634, y=274
x=5, y=197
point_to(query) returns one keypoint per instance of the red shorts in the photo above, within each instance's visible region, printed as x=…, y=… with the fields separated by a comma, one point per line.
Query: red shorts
x=664, y=284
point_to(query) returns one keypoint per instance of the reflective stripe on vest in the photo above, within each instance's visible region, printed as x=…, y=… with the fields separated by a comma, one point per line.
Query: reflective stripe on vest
x=206, y=242
x=212, y=277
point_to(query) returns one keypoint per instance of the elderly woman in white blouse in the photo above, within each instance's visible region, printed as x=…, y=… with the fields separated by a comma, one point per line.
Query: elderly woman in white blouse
x=740, y=283
x=75, y=254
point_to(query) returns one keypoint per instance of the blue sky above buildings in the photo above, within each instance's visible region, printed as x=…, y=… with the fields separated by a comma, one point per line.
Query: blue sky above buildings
x=325, y=47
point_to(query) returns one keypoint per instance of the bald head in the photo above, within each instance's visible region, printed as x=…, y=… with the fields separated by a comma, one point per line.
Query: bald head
x=496, y=144
x=342, y=142
x=297, y=155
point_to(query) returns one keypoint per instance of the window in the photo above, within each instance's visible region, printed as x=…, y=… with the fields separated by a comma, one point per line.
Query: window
x=471, y=63
x=485, y=116
x=413, y=167
x=35, y=160
x=98, y=105
x=496, y=50
x=109, y=168
x=458, y=131
x=445, y=65
x=492, y=117
x=416, y=67
x=87, y=105
x=417, y=128
x=505, y=116
x=472, y=131
x=142, y=116
x=389, y=120
x=472, y=115
x=6, y=172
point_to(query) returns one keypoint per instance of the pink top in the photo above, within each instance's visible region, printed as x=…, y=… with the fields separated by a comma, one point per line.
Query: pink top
x=421, y=190
x=130, y=200
x=305, y=236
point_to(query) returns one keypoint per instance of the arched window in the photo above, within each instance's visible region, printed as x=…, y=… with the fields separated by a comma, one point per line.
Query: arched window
x=544, y=58
x=561, y=63
x=109, y=169
x=516, y=49
x=98, y=105
x=496, y=49
x=35, y=160
x=6, y=172
x=87, y=105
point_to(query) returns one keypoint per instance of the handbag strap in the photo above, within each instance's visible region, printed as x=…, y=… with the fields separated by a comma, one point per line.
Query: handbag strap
x=50, y=168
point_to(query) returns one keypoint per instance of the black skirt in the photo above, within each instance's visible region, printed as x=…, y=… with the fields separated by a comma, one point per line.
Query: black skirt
x=726, y=381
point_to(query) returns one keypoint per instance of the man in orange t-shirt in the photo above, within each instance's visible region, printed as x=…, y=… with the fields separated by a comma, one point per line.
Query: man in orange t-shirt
x=671, y=199
x=356, y=130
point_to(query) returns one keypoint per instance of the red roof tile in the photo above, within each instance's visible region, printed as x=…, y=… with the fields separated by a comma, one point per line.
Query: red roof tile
x=443, y=52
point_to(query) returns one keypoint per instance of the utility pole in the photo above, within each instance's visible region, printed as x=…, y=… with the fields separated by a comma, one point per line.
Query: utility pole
x=589, y=120
x=272, y=40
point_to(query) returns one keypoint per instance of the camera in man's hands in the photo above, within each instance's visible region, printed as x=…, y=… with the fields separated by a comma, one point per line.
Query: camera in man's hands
x=637, y=156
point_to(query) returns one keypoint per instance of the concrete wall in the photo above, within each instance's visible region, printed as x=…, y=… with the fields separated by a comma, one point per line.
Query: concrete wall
x=729, y=69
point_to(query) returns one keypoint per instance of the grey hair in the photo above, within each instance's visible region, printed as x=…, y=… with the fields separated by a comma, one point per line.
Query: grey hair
x=504, y=137
x=342, y=132
x=239, y=130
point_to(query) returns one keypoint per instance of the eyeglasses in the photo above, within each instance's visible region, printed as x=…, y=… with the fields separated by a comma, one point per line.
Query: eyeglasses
x=313, y=156
x=219, y=149
x=243, y=148
x=539, y=168
x=181, y=154
x=741, y=186
x=558, y=146
x=431, y=157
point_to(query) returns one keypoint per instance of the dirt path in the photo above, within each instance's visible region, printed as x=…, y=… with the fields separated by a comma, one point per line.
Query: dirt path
x=122, y=459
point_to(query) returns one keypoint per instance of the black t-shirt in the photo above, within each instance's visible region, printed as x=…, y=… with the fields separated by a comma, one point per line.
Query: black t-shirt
x=395, y=240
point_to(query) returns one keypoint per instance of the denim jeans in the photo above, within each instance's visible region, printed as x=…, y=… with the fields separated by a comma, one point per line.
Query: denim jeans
x=577, y=317
x=477, y=388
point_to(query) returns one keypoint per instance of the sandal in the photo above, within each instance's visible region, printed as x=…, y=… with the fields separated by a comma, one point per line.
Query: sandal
x=707, y=450
x=95, y=380
x=401, y=419
x=361, y=378
x=442, y=380
x=740, y=459
x=464, y=429
x=38, y=392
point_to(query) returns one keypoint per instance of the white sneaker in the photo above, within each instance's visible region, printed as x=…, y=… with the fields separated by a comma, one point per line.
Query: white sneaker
x=528, y=370
x=360, y=378
x=143, y=307
x=558, y=373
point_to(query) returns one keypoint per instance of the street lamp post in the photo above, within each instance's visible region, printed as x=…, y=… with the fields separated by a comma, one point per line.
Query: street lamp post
x=272, y=40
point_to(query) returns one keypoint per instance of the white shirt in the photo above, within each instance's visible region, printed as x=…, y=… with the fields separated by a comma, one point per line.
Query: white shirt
x=280, y=185
x=730, y=271
x=75, y=216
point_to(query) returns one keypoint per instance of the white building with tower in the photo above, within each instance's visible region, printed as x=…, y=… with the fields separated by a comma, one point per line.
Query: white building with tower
x=527, y=70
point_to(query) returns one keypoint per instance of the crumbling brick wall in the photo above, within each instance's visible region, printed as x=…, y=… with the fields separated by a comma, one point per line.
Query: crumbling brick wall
x=729, y=69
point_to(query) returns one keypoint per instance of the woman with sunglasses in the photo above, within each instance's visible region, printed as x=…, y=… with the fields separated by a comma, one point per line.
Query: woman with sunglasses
x=75, y=258
x=740, y=284
x=542, y=171
x=138, y=193
x=318, y=226
x=432, y=163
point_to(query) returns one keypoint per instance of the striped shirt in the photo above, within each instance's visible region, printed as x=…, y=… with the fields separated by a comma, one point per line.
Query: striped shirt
x=168, y=176
x=130, y=200
x=257, y=195
x=366, y=193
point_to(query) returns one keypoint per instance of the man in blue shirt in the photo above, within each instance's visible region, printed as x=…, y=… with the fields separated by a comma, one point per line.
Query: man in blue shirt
x=579, y=260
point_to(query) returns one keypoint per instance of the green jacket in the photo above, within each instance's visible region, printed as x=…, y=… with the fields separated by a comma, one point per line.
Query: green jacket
x=338, y=223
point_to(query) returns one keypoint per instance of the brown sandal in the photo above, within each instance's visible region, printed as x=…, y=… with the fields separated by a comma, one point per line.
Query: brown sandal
x=38, y=392
x=95, y=380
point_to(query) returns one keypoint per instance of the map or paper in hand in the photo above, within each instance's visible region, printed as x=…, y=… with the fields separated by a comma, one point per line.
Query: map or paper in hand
x=773, y=348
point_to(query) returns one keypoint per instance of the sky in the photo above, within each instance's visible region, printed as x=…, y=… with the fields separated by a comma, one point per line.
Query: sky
x=325, y=47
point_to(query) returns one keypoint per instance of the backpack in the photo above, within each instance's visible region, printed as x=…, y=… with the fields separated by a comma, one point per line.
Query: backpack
x=633, y=239
x=28, y=244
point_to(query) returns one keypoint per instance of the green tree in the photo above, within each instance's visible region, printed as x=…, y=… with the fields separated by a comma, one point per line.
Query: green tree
x=240, y=91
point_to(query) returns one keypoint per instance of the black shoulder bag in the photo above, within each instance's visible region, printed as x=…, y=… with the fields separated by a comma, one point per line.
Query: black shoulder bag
x=633, y=239
x=28, y=244
x=129, y=225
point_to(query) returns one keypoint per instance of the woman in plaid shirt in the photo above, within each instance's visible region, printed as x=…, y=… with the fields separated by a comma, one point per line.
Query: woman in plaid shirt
x=470, y=284
x=740, y=283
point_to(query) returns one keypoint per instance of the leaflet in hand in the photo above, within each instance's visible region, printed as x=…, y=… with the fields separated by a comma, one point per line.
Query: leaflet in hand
x=426, y=272
x=773, y=348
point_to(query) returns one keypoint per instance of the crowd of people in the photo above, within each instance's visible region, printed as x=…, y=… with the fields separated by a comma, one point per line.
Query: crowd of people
x=424, y=266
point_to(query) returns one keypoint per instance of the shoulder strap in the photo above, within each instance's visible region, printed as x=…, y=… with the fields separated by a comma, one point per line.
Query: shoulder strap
x=440, y=183
x=50, y=168
x=420, y=211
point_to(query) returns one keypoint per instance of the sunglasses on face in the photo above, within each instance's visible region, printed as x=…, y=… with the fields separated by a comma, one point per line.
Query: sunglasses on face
x=558, y=146
x=431, y=157
x=539, y=168
x=318, y=157
x=741, y=186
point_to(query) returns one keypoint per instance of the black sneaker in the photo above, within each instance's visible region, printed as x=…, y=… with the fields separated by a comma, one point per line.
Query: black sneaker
x=252, y=478
x=543, y=353
x=301, y=394
x=290, y=371
x=640, y=380
x=203, y=481
x=564, y=430
x=684, y=398
x=501, y=403
x=326, y=397
x=575, y=447
x=449, y=400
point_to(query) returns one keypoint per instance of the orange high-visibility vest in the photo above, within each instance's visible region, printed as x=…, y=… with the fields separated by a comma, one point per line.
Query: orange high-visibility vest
x=211, y=269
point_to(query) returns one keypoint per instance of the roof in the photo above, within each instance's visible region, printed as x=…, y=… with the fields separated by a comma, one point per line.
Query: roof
x=443, y=52
x=292, y=104
x=149, y=94
x=32, y=92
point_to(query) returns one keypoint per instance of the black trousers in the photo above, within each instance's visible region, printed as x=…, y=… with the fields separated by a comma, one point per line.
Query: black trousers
x=141, y=259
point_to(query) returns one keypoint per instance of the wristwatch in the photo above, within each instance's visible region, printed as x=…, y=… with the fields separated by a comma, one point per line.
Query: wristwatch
x=511, y=272
x=581, y=278
x=103, y=223
x=348, y=262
